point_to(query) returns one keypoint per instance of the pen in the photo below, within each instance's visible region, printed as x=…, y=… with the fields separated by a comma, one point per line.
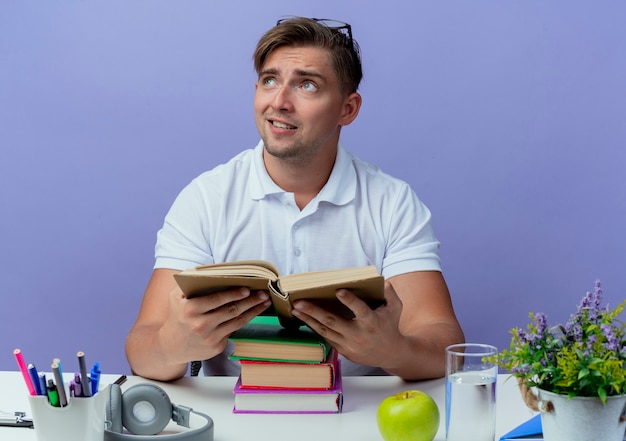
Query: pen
x=34, y=376
x=83, y=374
x=16, y=419
x=53, y=395
x=95, y=377
x=42, y=383
x=22, y=365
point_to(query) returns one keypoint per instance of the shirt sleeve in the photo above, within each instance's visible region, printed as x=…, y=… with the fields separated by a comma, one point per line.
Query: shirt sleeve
x=412, y=245
x=182, y=242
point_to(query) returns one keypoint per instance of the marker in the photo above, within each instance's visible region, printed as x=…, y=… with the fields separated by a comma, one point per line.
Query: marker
x=83, y=374
x=95, y=377
x=78, y=389
x=72, y=389
x=60, y=384
x=34, y=376
x=22, y=365
x=53, y=395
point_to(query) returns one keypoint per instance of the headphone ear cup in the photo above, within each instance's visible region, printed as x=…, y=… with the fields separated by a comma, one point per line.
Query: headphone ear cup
x=146, y=409
x=114, y=409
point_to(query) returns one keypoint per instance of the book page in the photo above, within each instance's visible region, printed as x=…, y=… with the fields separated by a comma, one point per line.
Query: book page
x=320, y=288
x=296, y=282
x=252, y=268
x=203, y=280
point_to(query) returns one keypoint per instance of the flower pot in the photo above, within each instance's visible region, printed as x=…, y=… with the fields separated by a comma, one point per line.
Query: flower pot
x=581, y=418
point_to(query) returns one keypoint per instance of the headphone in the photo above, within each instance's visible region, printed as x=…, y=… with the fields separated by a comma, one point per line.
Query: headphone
x=145, y=409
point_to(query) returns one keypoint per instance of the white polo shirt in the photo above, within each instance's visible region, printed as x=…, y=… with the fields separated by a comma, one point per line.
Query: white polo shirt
x=362, y=216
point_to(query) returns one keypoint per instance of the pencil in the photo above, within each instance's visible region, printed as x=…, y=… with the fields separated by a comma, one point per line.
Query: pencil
x=22, y=365
x=60, y=384
x=83, y=374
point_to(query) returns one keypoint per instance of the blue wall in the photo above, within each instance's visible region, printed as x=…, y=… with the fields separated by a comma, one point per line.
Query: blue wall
x=508, y=118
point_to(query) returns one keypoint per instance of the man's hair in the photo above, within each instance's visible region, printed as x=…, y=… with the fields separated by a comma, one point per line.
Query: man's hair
x=299, y=31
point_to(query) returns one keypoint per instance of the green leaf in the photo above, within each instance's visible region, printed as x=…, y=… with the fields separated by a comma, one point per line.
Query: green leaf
x=602, y=394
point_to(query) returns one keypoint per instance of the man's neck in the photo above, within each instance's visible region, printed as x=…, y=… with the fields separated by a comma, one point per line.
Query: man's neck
x=305, y=181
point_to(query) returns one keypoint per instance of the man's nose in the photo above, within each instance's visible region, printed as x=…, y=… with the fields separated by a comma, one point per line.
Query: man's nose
x=283, y=100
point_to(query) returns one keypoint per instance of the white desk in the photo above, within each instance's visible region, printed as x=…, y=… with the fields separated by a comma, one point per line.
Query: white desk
x=213, y=396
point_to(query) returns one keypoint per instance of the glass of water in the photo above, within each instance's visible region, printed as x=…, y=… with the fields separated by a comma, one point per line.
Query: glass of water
x=470, y=392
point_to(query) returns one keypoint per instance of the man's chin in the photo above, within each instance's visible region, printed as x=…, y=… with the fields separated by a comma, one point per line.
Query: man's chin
x=281, y=150
x=295, y=155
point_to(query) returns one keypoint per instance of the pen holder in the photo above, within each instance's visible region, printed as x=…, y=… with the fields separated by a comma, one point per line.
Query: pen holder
x=81, y=420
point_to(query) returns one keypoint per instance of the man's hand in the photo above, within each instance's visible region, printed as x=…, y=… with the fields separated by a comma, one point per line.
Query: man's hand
x=172, y=330
x=406, y=337
x=368, y=337
x=198, y=328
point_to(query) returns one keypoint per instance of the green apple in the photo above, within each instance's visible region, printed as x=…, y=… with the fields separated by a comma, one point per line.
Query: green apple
x=410, y=415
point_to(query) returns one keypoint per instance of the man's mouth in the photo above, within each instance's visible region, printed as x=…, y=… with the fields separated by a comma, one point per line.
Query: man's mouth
x=281, y=125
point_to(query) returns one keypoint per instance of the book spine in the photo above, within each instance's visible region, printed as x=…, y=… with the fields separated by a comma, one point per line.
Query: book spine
x=302, y=412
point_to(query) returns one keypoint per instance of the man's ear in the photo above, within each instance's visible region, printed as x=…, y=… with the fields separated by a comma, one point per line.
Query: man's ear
x=351, y=107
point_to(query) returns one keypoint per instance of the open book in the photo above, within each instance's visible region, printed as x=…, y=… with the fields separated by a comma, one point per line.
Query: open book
x=318, y=287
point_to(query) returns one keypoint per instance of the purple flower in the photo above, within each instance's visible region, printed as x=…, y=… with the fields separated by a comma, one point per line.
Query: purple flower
x=542, y=323
x=521, y=370
x=591, y=340
x=577, y=333
x=567, y=329
x=521, y=335
x=597, y=289
x=612, y=344
x=591, y=300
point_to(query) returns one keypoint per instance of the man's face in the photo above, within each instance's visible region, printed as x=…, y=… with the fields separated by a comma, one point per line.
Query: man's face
x=298, y=106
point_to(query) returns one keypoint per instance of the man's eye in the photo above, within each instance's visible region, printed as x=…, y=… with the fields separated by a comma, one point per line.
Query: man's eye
x=309, y=86
x=269, y=82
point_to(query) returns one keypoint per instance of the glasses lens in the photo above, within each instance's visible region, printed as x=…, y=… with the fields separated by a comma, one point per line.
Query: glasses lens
x=335, y=25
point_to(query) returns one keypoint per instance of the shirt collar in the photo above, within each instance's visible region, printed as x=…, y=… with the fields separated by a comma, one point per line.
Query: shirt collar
x=339, y=189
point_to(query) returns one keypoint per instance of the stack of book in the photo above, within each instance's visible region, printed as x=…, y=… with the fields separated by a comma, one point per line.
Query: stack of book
x=276, y=377
x=285, y=370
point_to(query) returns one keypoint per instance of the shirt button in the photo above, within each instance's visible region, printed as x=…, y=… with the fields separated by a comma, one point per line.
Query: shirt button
x=297, y=253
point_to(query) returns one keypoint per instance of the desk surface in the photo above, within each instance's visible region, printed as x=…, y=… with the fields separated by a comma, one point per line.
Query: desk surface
x=213, y=396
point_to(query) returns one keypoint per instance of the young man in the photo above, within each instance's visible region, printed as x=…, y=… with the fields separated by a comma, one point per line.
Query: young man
x=301, y=201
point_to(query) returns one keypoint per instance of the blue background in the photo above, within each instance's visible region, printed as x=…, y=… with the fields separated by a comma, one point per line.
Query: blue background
x=508, y=118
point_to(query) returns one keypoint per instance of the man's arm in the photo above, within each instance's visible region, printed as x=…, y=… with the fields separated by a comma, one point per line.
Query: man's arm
x=407, y=337
x=170, y=330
